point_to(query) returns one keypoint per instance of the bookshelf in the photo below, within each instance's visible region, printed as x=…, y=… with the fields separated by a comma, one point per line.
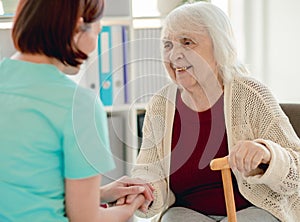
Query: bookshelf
x=146, y=74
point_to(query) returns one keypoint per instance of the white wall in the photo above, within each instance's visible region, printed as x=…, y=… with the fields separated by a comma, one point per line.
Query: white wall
x=268, y=33
x=283, y=48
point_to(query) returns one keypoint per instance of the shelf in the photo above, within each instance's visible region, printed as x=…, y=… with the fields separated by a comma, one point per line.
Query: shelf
x=5, y=23
x=147, y=23
x=125, y=107
x=140, y=106
x=111, y=20
x=117, y=108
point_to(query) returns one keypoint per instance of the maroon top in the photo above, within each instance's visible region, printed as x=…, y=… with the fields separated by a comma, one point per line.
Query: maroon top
x=199, y=137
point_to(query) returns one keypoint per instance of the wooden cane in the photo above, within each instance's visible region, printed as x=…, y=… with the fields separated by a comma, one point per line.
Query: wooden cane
x=222, y=164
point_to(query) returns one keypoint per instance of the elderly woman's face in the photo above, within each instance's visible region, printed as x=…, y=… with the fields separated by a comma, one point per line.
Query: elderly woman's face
x=188, y=57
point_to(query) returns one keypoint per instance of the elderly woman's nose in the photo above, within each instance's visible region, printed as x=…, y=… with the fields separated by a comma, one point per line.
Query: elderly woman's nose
x=176, y=52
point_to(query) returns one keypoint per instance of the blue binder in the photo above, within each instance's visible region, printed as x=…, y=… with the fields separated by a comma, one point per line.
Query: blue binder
x=112, y=65
x=105, y=66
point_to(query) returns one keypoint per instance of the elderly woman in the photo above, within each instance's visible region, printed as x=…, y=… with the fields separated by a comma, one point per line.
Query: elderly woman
x=213, y=109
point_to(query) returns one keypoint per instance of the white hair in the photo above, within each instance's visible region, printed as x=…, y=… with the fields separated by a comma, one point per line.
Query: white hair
x=196, y=16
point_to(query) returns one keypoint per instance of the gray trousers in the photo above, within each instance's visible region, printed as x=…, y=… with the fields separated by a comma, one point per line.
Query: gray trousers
x=250, y=214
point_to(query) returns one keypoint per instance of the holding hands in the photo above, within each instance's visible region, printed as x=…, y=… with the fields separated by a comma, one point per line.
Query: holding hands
x=246, y=156
x=128, y=190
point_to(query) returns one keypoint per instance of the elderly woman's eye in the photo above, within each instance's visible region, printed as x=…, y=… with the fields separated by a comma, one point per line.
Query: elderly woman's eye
x=167, y=45
x=187, y=42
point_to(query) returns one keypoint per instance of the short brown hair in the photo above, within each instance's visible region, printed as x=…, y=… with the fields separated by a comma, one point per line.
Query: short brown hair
x=48, y=27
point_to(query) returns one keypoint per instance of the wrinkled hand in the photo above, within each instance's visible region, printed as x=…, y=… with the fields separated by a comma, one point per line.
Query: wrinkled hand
x=246, y=156
x=148, y=194
x=128, y=209
x=137, y=202
x=118, y=190
x=131, y=198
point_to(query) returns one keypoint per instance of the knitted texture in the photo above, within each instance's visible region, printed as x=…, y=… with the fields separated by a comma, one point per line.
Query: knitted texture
x=251, y=113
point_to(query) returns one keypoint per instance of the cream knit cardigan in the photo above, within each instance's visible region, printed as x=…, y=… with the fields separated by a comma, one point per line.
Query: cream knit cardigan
x=251, y=113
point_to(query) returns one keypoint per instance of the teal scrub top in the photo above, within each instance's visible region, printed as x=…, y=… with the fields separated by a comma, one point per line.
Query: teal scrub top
x=50, y=129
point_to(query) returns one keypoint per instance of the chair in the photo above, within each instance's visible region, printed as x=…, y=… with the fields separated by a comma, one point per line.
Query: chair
x=293, y=113
x=292, y=110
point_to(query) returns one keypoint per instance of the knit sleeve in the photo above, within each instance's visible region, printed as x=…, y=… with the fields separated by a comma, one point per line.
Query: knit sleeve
x=282, y=175
x=149, y=166
x=266, y=123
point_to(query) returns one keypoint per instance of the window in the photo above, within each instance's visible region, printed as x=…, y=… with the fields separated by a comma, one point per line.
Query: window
x=8, y=7
x=144, y=8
